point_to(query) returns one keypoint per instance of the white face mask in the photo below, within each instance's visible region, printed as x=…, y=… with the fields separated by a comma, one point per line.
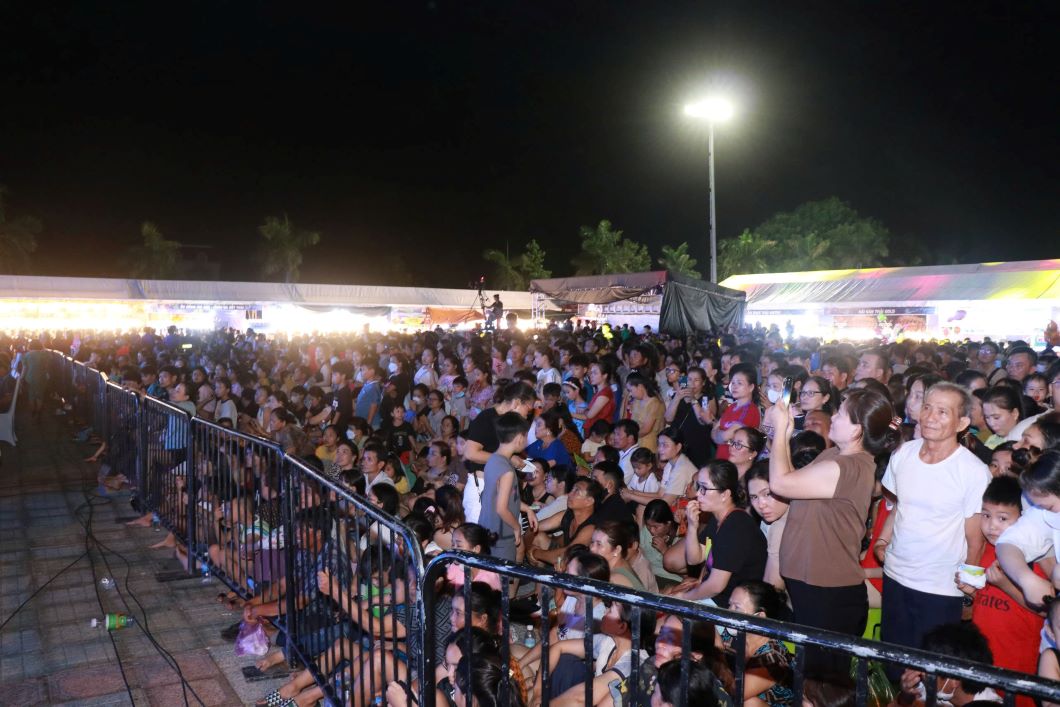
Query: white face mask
x=392, y=367
x=944, y=693
x=773, y=395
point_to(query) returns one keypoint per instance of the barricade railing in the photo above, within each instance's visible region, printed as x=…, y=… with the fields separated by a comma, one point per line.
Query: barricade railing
x=644, y=607
x=233, y=512
x=352, y=612
x=165, y=438
x=122, y=424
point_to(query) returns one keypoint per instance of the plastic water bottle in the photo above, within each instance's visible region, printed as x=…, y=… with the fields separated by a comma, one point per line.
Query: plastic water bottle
x=113, y=622
x=106, y=583
x=205, y=572
x=155, y=522
x=529, y=641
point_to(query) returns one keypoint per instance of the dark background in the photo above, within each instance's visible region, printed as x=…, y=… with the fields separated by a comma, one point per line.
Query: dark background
x=435, y=130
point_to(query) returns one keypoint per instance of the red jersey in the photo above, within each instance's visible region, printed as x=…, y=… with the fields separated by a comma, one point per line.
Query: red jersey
x=745, y=415
x=869, y=561
x=1012, y=631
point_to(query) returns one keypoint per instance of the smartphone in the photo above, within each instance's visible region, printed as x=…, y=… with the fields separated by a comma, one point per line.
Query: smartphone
x=683, y=381
x=785, y=394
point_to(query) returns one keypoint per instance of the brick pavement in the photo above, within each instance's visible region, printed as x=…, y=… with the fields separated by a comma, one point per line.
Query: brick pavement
x=49, y=655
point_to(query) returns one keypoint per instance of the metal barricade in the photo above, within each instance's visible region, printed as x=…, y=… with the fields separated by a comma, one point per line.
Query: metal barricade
x=122, y=419
x=165, y=439
x=232, y=508
x=353, y=610
x=698, y=623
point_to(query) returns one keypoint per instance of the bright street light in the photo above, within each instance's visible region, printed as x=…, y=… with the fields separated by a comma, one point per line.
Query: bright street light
x=716, y=110
x=713, y=110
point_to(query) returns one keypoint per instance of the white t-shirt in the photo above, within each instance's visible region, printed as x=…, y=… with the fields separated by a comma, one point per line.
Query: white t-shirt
x=1036, y=533
x=473, y=497
x=677, y=474
x=649, y=484
x=933, y=502
x=625, y=463
x=546, y=376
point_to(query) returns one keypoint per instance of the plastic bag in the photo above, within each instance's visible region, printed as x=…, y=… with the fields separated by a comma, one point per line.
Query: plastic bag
x=252, y=639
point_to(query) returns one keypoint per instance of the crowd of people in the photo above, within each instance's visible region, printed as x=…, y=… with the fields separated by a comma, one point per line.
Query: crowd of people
x=903, y=491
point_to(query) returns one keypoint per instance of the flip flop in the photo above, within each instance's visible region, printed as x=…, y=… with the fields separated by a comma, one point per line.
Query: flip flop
x=273, y=699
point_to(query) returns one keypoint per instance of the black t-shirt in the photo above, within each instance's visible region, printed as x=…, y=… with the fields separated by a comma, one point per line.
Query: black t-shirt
x=738, y=546
x=342, y=402
x=398, y=439
x=698, y=446
x=566, y=525
x=483, y=429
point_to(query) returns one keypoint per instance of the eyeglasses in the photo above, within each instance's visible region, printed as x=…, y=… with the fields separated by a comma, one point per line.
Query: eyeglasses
x=808, y=393
x=703, y=488
x=737, y=445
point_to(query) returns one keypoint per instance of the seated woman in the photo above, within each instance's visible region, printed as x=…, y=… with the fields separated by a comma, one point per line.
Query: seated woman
x=773, y=510
x=767, y=667
x=548, y=445
x=449, y=515
x=569, y=623
x=459, y=645
x=729, y=547
x=612, y=656
x=483, y=688
x=611, y=542
x=703, y=687
x=658, y=533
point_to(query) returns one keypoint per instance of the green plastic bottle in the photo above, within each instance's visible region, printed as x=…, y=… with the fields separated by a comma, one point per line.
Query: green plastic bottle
x=113, y=622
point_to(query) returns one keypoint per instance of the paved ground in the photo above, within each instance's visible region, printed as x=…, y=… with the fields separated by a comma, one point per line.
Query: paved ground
x=49, y=655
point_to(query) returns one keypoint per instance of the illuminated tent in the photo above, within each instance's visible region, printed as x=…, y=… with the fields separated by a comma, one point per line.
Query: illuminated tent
x=687, y=305
x=1013, y=299
x=80, y=302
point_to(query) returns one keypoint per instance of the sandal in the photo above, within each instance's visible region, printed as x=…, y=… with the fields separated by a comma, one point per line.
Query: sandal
x=273, y=699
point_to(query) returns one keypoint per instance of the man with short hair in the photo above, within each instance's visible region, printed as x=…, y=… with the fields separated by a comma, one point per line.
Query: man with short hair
x=837, y=370
x=482, y=440
x=873, y=364
x=612, y=507
x=625, y=437
x=1020, y=362
x=370, y=397
x=576, y=524
x=937, y=485
x=373, y=466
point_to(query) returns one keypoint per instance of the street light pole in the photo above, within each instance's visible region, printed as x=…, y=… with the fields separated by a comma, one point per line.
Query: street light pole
x=713, y=110
x=713, y=216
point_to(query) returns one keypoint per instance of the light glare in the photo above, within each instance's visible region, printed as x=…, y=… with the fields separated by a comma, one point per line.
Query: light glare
x=716, y=110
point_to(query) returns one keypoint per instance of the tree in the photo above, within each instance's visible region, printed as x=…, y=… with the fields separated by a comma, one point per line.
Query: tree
x=747, y=253
x=283, y=246
x=818, y=235
x=606, y=251
x=18, y=238
x=156, y=258
x=516, y=273
x=678, y=261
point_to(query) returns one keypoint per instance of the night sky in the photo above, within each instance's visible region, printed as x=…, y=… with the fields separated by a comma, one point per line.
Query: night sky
x=436, y=129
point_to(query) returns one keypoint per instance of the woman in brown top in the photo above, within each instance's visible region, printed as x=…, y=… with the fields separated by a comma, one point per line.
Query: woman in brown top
x=830, y=498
